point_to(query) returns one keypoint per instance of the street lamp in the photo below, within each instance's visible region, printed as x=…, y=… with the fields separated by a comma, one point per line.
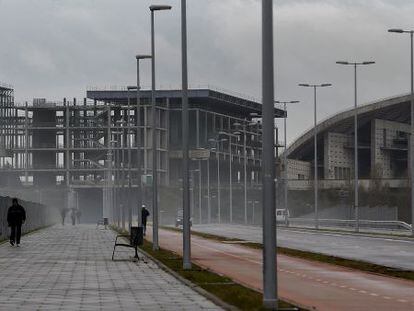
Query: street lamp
x=410, y=157
x=185, y=137
x=253, y=210
x=117, y=164
x=192, y=188
x=121, y=184
x=230, y=135
x=138, y=137
x=155, y=244
x=356, y=203
x=129, y=145
x=270, y=295
x=285, y=171
x=244, y=164
x=108, y=204
x=217, y=144
x=315, y=177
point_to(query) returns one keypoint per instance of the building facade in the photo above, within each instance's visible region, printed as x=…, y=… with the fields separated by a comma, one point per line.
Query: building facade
x=89, y=147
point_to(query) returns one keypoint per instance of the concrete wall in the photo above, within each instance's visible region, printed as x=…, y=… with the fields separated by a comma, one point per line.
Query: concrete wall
x=37, y=216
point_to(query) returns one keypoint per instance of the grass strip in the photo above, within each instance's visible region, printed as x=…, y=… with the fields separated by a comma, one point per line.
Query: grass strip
x=234, y=294
x=348, y=263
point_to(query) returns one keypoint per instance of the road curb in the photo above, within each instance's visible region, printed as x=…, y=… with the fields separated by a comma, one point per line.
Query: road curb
x=193, y=286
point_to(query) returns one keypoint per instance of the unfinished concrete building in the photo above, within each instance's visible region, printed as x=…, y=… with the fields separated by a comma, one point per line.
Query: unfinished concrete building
x=75, y=153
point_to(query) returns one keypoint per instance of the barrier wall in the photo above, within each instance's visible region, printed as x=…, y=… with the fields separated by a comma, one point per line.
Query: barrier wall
x=37, y=216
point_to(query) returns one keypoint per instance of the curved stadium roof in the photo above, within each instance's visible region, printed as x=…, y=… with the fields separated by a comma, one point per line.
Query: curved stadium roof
x=392, y=109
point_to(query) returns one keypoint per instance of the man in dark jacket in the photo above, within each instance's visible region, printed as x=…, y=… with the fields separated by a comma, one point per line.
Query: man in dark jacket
x=144, y=216
x=16, y=216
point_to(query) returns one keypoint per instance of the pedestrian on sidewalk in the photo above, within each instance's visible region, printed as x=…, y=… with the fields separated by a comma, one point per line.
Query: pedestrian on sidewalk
x=63, y=212
x=78, y=215
x=16, y=216
x=144, y=216
x=73, y=216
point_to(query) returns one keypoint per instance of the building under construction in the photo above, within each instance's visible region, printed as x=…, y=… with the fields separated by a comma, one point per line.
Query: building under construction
x=83, y=154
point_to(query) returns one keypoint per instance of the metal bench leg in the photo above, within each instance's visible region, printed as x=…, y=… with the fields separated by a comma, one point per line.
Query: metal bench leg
x=113, y=252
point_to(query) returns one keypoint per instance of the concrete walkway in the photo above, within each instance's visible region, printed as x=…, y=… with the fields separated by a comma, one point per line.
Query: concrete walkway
x=70, y=268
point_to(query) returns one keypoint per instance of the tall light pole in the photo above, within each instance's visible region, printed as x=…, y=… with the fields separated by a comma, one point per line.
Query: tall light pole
x=129, y=160
x=217, y=148
x=410, y=157
x=315, y=175
x=129, y=197
x=356, y=203
x=155, y=244
x=244, y=166
x=208, y=192
x=186, y=147
x=285, y=163
x=138, y=137
x=253, y=210
x=230, y=135
x=268, y=167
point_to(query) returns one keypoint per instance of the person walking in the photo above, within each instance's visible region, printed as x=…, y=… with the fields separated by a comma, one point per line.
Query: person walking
x=63, y=212
x=16, y=216
x=78, y=215
x=73, y=216
x=144, y=217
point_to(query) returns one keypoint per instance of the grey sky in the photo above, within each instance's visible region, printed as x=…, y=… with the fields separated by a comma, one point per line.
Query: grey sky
x=57, y=48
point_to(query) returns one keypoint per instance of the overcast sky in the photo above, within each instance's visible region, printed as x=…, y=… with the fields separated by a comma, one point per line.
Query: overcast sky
x=57, y=48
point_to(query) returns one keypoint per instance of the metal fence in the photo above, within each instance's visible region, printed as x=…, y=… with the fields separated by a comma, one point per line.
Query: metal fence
x=37, y=216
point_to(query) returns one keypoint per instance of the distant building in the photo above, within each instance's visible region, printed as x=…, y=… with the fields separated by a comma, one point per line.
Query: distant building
x=88, y=146
x=383, y=133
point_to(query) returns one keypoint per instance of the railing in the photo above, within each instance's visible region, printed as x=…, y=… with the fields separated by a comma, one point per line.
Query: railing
x=372, y=224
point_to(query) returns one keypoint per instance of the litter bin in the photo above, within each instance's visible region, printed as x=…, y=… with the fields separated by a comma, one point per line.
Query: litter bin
x=137, y=236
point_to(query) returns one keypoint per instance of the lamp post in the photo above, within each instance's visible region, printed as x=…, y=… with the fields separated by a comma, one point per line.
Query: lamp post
x=356, y=203
x=121, y=184
x=217, y=148
x=244, y=166
x=410, y=157
x=138, y=137
x=192, y=186
x=208, y=192
x=108, y=204
x=253, y=210
x=185, y=135
x=117, y=164
x=155, y=244
x=269, y=196
x=230, y=135
x=315, y=177
x=285, y=163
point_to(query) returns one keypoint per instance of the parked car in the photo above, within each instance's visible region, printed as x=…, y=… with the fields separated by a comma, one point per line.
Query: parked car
x=282, y=216
x=179, y=218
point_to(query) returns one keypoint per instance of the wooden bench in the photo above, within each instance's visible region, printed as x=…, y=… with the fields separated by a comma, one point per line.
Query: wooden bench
x=136, y=238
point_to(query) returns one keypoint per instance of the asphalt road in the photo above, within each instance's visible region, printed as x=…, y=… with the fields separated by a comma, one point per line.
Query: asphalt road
x=386, y=251
x=313, y=285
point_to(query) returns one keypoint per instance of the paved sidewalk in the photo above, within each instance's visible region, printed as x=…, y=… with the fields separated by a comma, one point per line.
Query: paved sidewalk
x=70, y=268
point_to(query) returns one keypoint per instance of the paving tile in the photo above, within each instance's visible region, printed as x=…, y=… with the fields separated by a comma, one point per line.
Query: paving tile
x=70, y=268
